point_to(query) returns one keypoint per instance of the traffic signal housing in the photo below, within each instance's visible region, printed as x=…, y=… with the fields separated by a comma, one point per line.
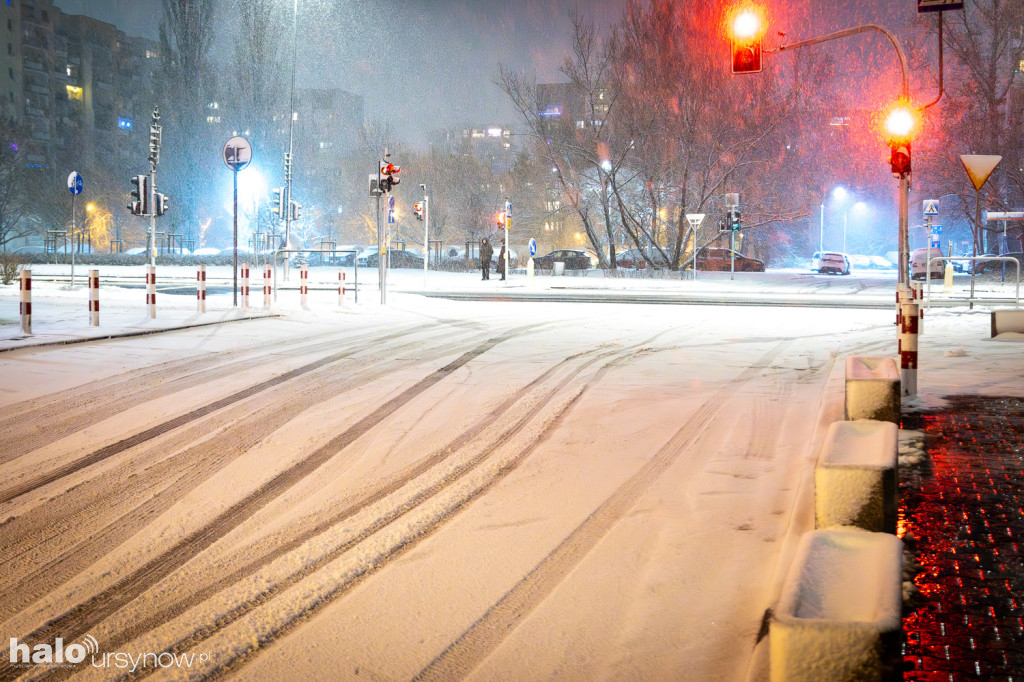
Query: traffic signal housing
x=747, y=43
x=296, y=209
x=899, y=129
x=735, y=218
x=418, y=210
x=279, y=203
x=389, y=176
x=139, y=202
x=160, y=201
x=500, y=218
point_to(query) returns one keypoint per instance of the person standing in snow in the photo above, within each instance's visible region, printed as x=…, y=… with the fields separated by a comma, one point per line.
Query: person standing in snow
x=486, y=251
x=501, y=260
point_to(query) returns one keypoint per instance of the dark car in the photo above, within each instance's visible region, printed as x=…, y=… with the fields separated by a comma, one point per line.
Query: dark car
x=634, y=258
x=722, y=259
x=997, y=265
x=573, y=259
x=397, y=259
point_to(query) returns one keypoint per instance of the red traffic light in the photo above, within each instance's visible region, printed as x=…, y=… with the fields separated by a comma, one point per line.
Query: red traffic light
x=899, y=159
x=747, y=35
x=500, y=218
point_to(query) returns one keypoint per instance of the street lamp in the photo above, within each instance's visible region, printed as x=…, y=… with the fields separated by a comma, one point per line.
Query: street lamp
x=838, y=193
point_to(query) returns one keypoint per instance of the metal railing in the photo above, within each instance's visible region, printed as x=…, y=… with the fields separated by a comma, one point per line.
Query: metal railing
x=355, y=265
x=971, y=299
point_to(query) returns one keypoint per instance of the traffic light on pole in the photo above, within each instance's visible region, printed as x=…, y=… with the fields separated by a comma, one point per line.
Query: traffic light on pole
x=160, y=201
x=418, y=210
x=389, y=175
x=899, y=128
x=746, y=43
x=735, y=218
x=296, y=209
x=500, y=218
x=278, y=203
x=139, y=203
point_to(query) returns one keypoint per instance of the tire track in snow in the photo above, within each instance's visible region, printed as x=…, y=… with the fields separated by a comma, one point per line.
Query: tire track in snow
x=77, y=621
x=381, y=558
x=299, y=536
x=55, y=417
x=487, y=633
x=164, y=483
x=152, y=432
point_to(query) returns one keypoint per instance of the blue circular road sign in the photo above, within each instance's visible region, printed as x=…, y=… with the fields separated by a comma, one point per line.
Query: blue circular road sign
x=75, y=183
x=533, y=246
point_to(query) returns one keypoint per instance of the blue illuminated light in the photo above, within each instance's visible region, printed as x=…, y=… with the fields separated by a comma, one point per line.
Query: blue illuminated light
x=124, y=123
x=552, y=112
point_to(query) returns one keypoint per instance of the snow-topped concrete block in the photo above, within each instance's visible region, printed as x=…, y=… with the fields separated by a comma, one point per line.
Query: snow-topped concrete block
x=1007, y=321
x=872, y=389
x=855, y=481
x=839, y=615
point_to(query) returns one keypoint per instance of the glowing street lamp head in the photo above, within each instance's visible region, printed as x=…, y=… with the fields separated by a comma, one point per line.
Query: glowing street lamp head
x=746, y=25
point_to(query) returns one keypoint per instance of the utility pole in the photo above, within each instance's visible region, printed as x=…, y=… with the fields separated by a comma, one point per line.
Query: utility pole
x=426, y=233
x=154, y=158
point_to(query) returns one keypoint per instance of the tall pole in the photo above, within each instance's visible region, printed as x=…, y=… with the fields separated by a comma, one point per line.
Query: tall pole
x=234, y=268
x=73, y=197
x=904, y=227
x=508, y=245
x=977, y=232
x=426, y=234
x=380, y=251
x=291, y=136
x=846, y=216
x=821, y=230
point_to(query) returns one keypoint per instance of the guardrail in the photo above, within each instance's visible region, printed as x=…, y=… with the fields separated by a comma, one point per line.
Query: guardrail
x=971, y=299
x=355, y=265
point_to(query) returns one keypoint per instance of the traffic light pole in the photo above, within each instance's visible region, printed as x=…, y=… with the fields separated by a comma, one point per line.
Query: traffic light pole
x=904, y=201
x=426, y=234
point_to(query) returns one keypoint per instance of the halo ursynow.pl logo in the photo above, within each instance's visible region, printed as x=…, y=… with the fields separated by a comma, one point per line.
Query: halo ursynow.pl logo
x=57, y=654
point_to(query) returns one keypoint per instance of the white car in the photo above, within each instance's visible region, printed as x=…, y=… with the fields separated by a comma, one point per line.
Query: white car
x=919, y=263
x=830, y=263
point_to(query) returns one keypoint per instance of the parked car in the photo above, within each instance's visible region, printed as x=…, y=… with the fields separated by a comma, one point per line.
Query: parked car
x=573, y=259
x=721, y=259
x=881, y=263
x=997, y=265
x=919, y=263
x=830, y=263
x=634, y=258
x=396, y=259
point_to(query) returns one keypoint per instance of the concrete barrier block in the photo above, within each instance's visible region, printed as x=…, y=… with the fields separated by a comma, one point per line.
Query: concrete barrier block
x=855, y=481
x=1007, y=321
x=872, y=389
x=839, y=615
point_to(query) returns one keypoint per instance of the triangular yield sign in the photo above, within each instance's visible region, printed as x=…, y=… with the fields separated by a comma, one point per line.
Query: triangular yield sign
x=695, y=219
x=979, y=167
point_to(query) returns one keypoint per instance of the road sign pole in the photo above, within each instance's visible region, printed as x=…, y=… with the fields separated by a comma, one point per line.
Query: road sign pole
x=73, y=197
x=426, y=234
x=234, y=260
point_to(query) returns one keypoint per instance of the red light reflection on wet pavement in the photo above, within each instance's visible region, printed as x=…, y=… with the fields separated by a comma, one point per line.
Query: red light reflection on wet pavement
x=962, y=514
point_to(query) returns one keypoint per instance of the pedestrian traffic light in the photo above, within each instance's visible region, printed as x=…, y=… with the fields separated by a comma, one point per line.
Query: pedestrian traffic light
x=418, y=210
x=139, y=202
x=296, y=209
x=279, y=203
x=500, y=218
x=160, y=201
x=734, y=218
x=746, y=43
x=899, y=159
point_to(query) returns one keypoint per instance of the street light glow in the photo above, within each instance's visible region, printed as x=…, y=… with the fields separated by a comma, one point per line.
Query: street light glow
x=746, y=25
x=900, y=123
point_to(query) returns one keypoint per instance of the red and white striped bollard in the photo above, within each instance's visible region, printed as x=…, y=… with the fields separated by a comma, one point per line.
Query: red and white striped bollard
x=151, y=290
x=245, y=286
x=266, y=286
x=908, y=350
x=94, y=298
x=341, y=287
x=304, y=286
x=201, y=289
x=917, y=291
x=26, y=301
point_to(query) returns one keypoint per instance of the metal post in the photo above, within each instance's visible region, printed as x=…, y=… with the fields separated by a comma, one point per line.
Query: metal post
x=151, y=290
x=426, y=234
x=234, y=261
x=908, y=350
x=381, y=251
x=304, y=287
x=26, y=301
x=266, y=286
x=977, y=233
x=245, y=287
x=821, y=230
x=341, y=287
x=94, y=298
x=201, y=289
x=508, y=244
x=732, y=253
x=72, y=242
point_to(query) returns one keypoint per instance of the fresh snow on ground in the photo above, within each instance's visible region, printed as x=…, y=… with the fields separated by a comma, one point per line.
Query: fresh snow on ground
x=486, y=489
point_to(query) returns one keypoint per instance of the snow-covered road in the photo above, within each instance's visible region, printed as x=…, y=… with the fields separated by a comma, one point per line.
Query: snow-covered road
x=442, y=489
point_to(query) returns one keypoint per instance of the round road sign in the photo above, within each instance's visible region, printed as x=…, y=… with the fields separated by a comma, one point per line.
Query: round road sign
x=237, y=153
x=75, y=183
x=533, y=246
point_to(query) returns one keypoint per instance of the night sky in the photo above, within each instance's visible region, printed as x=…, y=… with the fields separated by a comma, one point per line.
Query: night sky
x=420, y=64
